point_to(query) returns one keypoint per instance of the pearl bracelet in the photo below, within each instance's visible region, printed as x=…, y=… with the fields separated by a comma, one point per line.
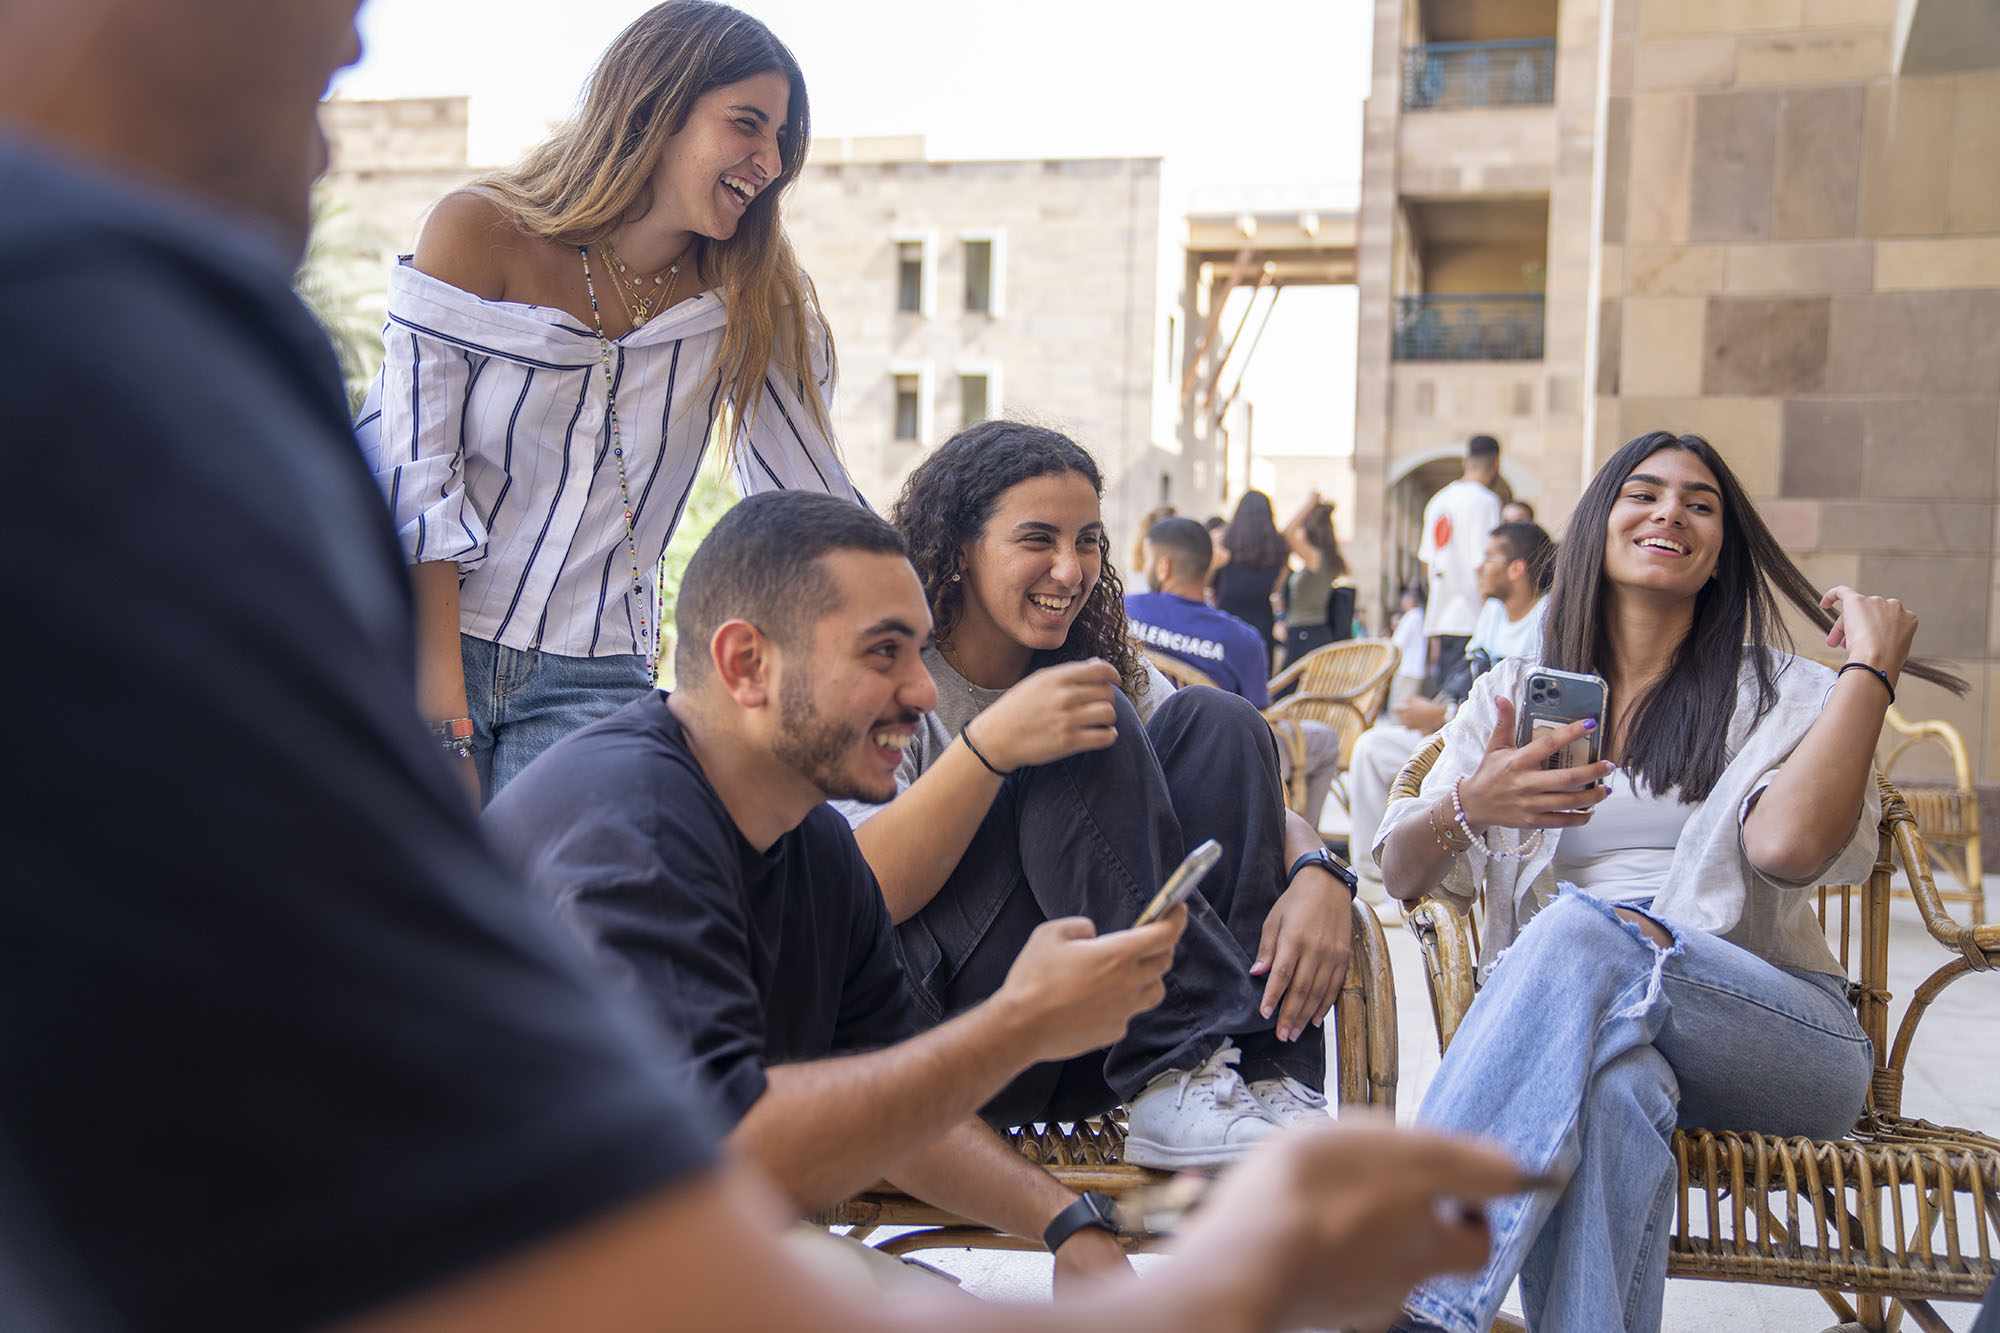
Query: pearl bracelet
x=1527, y=848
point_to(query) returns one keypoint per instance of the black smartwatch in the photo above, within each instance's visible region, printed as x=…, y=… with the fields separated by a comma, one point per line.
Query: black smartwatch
x=1092, y=1210
x=1326, y=861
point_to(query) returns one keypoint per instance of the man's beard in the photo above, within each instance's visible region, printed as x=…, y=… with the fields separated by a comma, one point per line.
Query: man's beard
x=817, y=748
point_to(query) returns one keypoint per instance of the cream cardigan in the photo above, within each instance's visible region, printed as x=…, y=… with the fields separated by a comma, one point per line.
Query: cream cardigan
x=1710, y=884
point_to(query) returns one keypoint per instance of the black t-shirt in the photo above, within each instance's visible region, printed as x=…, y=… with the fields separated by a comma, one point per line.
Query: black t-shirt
x=283, y=1041
x=755, y=958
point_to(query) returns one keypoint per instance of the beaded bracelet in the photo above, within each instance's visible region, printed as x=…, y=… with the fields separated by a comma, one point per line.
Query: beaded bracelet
x=1443, y=832
x=1527, y=848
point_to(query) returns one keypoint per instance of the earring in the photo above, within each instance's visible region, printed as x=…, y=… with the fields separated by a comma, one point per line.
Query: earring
x=954, y=578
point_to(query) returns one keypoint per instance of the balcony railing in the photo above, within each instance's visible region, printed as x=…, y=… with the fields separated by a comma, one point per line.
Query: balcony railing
x=1503, y=326
x=1472, y=74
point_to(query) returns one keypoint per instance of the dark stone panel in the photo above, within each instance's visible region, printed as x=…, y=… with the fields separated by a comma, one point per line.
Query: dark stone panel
x=1764, y=346
x=1818, y=181
x=1822, y=448
x=1735, y=163
x=1908, y=343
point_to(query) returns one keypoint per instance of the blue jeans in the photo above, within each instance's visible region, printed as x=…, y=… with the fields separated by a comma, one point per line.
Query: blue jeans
x=1095, y=835
x=1587, y=1047
x=522, y=702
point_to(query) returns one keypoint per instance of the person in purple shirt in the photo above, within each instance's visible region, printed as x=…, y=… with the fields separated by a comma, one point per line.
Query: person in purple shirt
x=1173, y=619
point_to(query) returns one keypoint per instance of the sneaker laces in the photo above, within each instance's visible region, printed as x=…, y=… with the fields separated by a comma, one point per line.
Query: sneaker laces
x=1285, y=1094
x=1220, y=1069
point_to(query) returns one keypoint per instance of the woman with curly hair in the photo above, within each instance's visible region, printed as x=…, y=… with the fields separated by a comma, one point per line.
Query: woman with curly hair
x=568, y=340
x=1061, y=777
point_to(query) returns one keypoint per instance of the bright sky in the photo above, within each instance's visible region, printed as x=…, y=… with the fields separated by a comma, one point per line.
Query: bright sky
x=1235, y=94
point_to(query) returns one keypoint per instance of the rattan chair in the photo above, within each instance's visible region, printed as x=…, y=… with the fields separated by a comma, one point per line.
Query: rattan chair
x=1343, y=685
x=1900, y=1212
x=1947, y=817
x=1087, y=1156
x=1177, y=671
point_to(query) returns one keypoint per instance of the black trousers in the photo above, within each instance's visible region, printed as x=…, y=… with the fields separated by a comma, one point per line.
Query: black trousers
x=1095, y=835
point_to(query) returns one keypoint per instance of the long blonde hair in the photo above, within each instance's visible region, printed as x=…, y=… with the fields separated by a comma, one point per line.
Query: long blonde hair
x=596, y=172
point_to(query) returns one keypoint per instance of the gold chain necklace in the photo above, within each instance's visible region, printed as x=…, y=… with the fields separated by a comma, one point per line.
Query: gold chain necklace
x=643, y=294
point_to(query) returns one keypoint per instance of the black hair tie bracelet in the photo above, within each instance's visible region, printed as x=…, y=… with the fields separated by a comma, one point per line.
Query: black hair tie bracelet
x=1876, y=672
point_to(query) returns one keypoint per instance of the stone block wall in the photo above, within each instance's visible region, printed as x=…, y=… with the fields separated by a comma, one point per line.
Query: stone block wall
x=1080, y=335
x=1800, y=259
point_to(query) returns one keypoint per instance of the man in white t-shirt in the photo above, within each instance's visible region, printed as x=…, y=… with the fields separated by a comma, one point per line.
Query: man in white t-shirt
x=1456, y=524
x=1512, y=575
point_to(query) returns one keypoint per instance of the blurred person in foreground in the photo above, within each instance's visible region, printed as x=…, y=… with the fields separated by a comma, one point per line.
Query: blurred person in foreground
x=286, y=1048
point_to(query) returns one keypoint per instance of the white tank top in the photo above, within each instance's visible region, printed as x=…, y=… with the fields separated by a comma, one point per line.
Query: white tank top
x=1622, y=854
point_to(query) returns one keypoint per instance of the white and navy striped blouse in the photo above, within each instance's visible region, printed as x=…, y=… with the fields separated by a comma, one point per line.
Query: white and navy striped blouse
x=486, y=430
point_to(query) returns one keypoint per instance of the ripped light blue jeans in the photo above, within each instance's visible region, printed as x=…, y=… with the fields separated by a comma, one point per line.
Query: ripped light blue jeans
x=1586, y=1048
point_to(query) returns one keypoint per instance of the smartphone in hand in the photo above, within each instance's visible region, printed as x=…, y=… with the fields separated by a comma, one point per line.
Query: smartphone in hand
x=1181, y=883
x=1551, y=699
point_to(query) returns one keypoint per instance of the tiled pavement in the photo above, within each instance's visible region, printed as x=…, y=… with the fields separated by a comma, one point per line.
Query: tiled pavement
x=1953, y=1078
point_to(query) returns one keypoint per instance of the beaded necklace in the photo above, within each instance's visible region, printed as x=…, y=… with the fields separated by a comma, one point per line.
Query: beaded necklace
x=646, y=639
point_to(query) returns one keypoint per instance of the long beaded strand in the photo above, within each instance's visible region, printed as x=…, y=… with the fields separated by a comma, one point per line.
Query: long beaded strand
x=646, y=638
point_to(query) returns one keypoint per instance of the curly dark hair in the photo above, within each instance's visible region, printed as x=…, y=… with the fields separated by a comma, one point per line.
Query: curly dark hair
x=947, y=502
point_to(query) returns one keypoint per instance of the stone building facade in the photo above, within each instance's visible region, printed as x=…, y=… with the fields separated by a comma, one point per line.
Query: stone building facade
x=1771, y=222
x=963, y=290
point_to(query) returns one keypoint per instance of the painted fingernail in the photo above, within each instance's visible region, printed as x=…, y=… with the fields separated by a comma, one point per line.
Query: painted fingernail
x=1590, y=724
x=1610, y=767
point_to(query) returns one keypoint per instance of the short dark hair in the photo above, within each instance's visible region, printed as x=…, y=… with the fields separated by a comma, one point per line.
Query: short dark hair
x=1529, y=542
x=765, y=562
x=1187, y=541
x=1482, y=447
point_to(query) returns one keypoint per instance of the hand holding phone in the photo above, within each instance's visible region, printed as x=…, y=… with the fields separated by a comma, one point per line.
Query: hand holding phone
x=1182, y=882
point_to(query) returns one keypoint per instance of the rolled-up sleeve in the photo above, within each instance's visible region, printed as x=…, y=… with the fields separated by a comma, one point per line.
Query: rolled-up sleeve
x=412, y=432
x=781, y=447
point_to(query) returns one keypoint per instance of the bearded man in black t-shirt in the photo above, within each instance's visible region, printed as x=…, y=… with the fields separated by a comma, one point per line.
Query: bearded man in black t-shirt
x=687, y=839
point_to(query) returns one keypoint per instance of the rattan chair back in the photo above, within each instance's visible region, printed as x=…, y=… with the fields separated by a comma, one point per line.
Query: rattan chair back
x=1947, y=817
x=1177, y=671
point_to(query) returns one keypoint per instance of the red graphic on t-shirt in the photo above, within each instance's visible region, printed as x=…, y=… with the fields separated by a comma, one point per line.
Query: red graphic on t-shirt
x=1441, y=532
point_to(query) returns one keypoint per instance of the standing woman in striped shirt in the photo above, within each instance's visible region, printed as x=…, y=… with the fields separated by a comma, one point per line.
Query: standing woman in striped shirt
x=560, y=350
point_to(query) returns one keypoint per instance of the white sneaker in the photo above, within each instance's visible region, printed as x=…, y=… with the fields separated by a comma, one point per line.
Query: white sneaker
x=1196, y=1117
x=1290, y=1102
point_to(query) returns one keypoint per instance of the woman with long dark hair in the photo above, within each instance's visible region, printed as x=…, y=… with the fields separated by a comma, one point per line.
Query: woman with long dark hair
x=1661, y=952
x=567, y=341
x=1258, y=560
x=1058, y=777
x=1310, y=592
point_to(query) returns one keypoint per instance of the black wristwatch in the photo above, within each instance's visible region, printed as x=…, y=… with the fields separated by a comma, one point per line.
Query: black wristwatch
x=1328, y=862
x=1092, y=1210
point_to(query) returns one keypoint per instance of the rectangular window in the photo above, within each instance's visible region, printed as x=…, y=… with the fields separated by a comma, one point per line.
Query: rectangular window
x=909, y=394
x=910, y=277
x=973, y=396
x=978, y=277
